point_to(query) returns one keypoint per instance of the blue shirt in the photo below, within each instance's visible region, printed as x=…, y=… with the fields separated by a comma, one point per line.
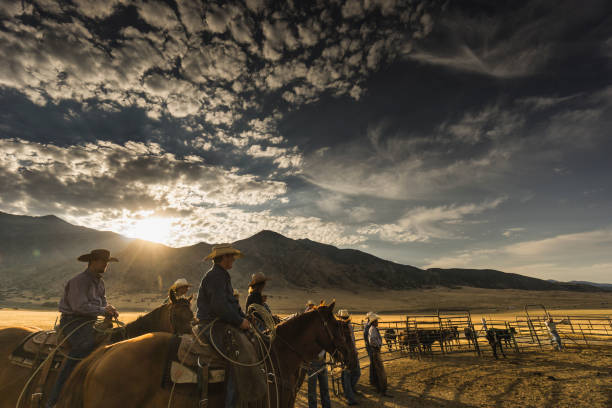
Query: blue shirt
x=84, y=295
x=216, y=298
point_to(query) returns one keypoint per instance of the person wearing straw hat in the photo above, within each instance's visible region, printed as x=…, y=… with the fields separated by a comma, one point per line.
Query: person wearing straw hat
x=216, y=300
x=180, y=288
x=309, y=305
x=375, y=341
x=366, y=330
x=256, y=287
x=352, y=372
x=84, y=299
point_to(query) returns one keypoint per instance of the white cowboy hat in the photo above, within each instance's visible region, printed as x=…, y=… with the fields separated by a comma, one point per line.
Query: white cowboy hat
x=179, y=283
x=258, y=277
x=343, y=313
x=223, y=249
x=373, y=317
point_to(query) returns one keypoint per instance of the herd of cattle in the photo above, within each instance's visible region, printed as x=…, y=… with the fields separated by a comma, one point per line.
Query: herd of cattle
x=421, y=340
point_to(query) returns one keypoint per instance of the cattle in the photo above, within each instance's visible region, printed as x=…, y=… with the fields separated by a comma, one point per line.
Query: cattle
x=423, y=339
x=390, y=338
x=495, y=337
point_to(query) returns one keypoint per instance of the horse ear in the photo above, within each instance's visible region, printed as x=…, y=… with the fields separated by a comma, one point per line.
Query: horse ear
x=332, y=304
x=172, y=296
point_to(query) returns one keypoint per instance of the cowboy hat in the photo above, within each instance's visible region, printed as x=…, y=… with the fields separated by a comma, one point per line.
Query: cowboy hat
x=97, y=254
x=258, y=277
x=179, y=283
x=343, y=313
x=223, y=249
x=373, y=317
x=310, y=303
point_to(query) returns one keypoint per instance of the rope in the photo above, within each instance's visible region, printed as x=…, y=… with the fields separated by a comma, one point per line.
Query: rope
x=27, y=384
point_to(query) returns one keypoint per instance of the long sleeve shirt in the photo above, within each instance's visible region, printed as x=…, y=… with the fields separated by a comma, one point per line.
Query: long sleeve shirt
x=216, y=298
x=366, y=331
x=84, y=295
x=374, y=337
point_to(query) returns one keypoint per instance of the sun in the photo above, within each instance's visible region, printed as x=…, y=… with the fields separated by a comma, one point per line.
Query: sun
x=151, y=229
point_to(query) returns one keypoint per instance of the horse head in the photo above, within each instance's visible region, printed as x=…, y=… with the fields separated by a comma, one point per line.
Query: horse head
x=179, y=314
x=332, y=336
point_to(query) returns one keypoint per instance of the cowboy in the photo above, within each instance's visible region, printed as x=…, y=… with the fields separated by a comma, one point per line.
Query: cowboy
x=317, y=371
x=84, y=299
x=216, y=300
x=555, y=339
x=180, y=288
x=351, y=373
x=366, y=329
x=375, y=341
x=256, y=287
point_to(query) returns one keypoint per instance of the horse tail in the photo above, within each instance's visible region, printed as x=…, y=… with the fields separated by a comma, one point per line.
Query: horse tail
x=73, y=390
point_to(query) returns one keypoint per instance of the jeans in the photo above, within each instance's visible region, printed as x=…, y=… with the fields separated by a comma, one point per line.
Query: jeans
x=82, y=342
x=230, y=389
x=555, y=338
x=373, y=378
x=348, y=385
x=323, y=385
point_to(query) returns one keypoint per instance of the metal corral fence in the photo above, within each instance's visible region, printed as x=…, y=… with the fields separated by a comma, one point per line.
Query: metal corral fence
x=450, y=332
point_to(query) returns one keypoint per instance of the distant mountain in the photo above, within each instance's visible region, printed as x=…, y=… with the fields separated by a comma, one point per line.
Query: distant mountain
x=39, y=254
x=599, y=285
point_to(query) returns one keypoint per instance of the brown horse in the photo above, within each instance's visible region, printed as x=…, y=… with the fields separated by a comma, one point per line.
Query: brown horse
x=129, y=373
x=173, y=317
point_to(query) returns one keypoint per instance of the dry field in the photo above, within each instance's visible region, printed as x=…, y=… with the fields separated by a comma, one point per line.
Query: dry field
x=574, y=378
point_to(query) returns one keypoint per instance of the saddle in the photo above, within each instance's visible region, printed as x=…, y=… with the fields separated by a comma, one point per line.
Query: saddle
x=196, y=361
x=36, y=347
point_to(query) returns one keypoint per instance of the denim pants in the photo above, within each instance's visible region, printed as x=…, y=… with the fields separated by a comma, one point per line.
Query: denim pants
x=323, y=385
x=82, y=342
x=231, y=396
x=555, y=338
x=347, y=386
x=373, y=377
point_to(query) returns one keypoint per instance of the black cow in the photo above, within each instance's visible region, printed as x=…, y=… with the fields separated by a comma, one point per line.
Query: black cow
x=495, y=337
x=390, y=338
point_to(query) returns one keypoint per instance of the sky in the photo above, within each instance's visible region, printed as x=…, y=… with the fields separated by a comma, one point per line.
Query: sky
x=471, y=134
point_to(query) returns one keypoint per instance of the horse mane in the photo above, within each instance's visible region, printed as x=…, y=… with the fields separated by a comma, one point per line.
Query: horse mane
x=298, y=322
x=73, y=388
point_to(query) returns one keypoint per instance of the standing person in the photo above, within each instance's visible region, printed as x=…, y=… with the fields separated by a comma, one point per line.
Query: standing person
x=375, y=344
x=84, y=299
x=180, y=288
x=352, y=372
x=366, y=330
x=317, y=371
x=555, y=339
x=216, y=300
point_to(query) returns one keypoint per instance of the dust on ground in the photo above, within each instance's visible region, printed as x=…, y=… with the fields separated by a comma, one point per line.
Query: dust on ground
x=574, y=378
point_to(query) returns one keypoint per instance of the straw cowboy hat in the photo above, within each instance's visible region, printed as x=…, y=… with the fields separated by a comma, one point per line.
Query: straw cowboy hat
x=258, y=277
x=310, y=303
x=368, y=315
x=98, y=254
x=374, y=317
x=223, y=249
x=179, y=283
x=343, y=313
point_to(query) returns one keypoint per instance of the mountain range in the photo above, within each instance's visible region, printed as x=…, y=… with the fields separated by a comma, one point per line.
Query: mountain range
x=38, y=254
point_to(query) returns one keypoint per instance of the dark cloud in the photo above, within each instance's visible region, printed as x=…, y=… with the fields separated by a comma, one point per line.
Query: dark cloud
x=381, y=124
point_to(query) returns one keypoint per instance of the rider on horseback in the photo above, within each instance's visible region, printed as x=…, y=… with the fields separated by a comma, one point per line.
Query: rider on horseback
x=216, y=300
x=83, y=301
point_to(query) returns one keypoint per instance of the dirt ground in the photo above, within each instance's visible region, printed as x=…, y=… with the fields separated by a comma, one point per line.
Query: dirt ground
x=528, y=380
x=542, y=379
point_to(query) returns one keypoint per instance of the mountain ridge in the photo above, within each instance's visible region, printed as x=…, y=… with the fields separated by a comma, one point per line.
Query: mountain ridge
x=290, y=263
